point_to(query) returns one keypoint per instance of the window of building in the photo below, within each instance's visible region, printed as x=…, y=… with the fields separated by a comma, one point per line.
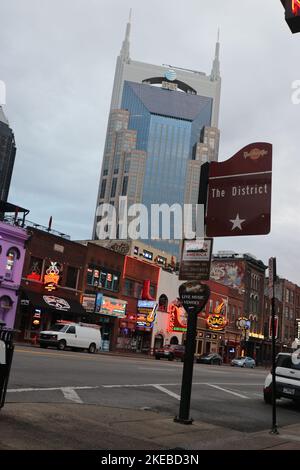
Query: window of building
x=161, y=260
x=104, y=278
x=148, y=255
x=153, y=291
x=125, y=186
x=129, y=287
x=113, y=187
x=12, y=256
x=287, y=295
x=72, y=276
x=163, y=303
x=103, y=189
x=116, y=171
x=35, y=271
x=105, y=172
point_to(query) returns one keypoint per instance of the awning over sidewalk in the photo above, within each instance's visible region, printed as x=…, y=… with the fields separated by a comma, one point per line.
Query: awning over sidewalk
x=54, y=303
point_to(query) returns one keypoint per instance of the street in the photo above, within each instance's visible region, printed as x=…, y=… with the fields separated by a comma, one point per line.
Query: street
x=224, y=396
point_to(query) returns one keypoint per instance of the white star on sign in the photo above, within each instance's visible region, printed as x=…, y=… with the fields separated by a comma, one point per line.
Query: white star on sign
x=237, y=222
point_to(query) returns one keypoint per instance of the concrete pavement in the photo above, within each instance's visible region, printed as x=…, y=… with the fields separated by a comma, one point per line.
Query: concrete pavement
x=41, y=426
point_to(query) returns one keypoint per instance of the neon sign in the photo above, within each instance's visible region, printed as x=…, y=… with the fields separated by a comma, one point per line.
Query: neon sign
x=51, y=278
x=217, y=320
x=296, y=7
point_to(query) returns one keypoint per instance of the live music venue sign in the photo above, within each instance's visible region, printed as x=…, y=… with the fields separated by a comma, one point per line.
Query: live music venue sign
x=239, y=193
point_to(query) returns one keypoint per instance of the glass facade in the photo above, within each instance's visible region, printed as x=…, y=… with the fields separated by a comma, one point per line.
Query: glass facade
x=168, y=125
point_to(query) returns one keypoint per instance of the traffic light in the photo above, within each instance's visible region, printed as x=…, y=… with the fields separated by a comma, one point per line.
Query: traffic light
x=292, y=14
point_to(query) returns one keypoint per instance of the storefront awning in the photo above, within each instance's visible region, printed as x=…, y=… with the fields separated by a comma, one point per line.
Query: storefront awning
x=54, y=303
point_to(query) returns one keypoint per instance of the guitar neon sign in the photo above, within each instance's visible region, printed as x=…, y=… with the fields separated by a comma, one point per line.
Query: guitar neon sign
x=296, y=7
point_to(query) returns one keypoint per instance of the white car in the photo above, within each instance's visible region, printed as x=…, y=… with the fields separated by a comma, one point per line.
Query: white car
x=243, y=362
x=287, y=378
x=72, y=335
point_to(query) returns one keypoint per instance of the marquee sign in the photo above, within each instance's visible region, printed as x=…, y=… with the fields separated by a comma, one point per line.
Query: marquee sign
x=217, y=320
x=239, y=193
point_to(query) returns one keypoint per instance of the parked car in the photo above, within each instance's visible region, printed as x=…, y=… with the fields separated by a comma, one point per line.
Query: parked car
x=171, y=352
x=244, y=362
x=72, y=335
x=287, y=378
x=212, y=358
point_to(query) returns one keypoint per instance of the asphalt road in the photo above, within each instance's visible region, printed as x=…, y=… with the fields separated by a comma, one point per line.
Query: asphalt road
x=222, y=395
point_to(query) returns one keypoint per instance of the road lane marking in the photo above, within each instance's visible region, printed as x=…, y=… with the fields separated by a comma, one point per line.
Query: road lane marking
x=71, y=394
x=228, y=391
x=50, y=389
x=168, y=392
x=156, y=369
x=68, y=392
x=176, y=384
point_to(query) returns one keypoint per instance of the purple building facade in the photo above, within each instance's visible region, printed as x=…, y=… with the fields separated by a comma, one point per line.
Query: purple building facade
x=12, y=255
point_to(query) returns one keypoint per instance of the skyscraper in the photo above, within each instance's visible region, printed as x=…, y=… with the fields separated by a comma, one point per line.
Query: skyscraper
x=7, y=155
x=162, y=127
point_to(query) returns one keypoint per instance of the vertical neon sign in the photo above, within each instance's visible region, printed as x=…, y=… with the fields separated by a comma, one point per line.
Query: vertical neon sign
x=296, y=7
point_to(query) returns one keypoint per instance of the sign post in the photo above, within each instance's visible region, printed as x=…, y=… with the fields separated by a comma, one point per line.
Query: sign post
x=272, y=280
x=194, y=297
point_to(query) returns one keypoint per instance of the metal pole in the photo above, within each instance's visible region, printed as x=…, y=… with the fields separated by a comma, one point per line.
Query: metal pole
x=274, y=411
x=187, y=375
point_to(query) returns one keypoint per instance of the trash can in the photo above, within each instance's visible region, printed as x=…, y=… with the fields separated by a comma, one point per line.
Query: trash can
x=6, y=356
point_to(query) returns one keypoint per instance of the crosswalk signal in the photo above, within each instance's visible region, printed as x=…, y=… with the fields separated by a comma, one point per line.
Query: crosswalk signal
x=292, y=14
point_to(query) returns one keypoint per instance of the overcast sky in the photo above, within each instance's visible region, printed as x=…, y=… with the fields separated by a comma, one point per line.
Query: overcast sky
x=57, y=58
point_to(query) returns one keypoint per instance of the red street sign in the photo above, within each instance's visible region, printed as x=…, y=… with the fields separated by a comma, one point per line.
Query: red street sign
x=239, y=193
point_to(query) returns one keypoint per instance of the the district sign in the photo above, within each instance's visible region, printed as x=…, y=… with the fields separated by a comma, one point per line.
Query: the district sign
x=239, y=193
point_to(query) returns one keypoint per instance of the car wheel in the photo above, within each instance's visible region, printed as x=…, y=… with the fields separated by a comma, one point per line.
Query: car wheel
x=170, y=358
x=61, y=345
x=220, y=363
x=92, y=348
x=43, y=346
x=157, y=358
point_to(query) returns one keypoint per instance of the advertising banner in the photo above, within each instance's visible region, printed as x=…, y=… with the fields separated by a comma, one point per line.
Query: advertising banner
x=195, y=260
x=146, y=313
x=113, y=307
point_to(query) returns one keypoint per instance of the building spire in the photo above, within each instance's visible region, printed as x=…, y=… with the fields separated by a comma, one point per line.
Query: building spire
x=125, y=51
x=215, y=73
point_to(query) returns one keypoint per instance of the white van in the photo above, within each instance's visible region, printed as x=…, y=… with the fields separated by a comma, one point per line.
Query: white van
x=72, y=335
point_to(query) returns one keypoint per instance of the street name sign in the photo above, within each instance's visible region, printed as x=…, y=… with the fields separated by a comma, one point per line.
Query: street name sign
x=239, y=193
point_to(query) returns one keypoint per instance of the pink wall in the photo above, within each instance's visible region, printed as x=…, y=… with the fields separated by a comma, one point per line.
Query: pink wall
x=11, y=237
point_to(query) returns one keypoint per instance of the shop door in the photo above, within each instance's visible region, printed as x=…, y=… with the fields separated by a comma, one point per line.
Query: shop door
x=207, y=347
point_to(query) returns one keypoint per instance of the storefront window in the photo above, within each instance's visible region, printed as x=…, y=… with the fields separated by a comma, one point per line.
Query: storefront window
x=103, y=278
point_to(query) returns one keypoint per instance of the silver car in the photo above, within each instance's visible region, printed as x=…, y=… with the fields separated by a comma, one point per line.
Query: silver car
x=243, y=362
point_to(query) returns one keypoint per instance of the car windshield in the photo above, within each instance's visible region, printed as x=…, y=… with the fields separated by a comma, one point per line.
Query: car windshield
x=58, y=327
x=240, y=358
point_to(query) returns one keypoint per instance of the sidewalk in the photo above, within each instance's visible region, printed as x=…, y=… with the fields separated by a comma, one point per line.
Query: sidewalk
x=88, y=427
